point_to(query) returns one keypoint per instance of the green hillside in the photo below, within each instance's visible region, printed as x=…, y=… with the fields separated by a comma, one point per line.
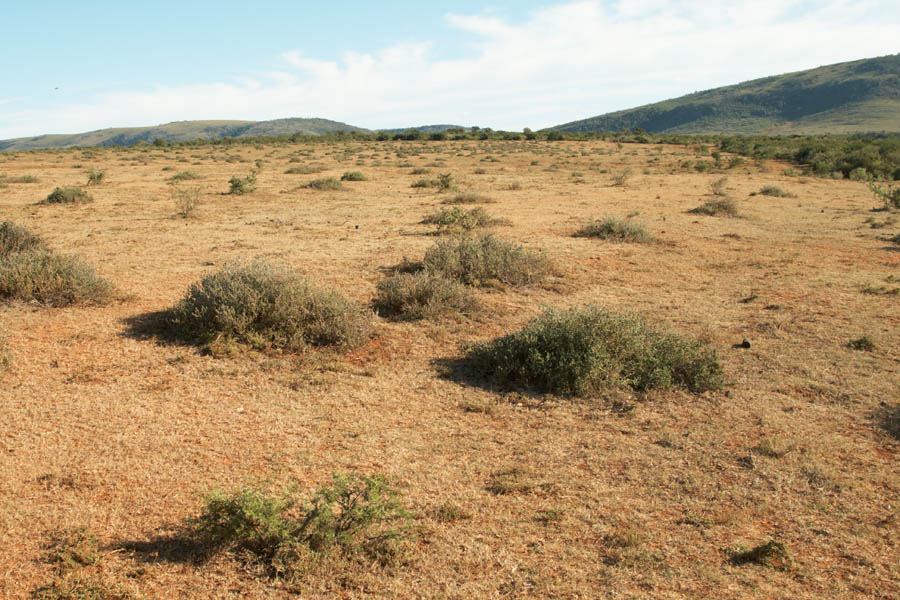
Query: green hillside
x=852, y=97
x=181, y=131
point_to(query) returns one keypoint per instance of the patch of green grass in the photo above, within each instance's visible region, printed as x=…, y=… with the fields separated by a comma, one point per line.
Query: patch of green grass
x=15, y=238
x=304, y=170
x=325, y=184
x=260, y=305
x=356, y=516
x=482, y=260
x=50, y=279
x=67, y=195
x=353, y=176
x=422, y=295
x=717, y=207
x=72, y=549
x=240, y=186
x=583, y=351
x=612, y=228
x=183, y=176
x=863, y=343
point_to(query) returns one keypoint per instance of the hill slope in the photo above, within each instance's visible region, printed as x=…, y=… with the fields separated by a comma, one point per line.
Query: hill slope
x=851, y=97
x=181, y=131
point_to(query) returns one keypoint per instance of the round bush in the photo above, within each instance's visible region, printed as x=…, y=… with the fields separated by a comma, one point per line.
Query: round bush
x=260, y=305
x=422, y=295
x=51, y=279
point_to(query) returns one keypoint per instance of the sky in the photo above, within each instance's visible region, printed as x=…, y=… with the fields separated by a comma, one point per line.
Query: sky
x=70, y=67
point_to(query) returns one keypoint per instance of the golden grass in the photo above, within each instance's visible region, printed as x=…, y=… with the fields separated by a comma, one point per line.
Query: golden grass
x=118, y=434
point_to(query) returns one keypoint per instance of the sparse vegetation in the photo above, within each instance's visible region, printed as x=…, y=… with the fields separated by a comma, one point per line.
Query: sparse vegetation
x=262, y=306
x=325, y=184
x=482, y=260
x=467, y=198
x=304, y=170
x=459, y=219
x=353, y=176
x=422, y=295
x=186, y=200
x=863, y=343
x=717, y=187
x=183, y=176
x=15, y=238
x=612, y=228
x=584, y=351
x=96, y=176
x=717, y=207
x=50, y=279
x=67, y=195
x=355, y=516
x=240, y=186
x=889, y=194
x=775, y=191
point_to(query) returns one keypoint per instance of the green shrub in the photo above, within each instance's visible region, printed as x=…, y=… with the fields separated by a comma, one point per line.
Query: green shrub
x=859, y=174
x=460, y=219
x=890, y=194
x=775, y=191
x=50, y=279
x=864, y=344
x=612, y=228
x=467, y=198
x=95, y=176
x=444, y=182
x=14, y=238
x=186, y=200
x=304, y=170
x=717, y=207
x=583, y=351
x=242, y=186
x=478, y=261
x=420, y=171
x=353, y=176
x=325, y=184
x=67, y=195
x=356, y=515
x=263, y=306
x=183, y=176
x=422, y=295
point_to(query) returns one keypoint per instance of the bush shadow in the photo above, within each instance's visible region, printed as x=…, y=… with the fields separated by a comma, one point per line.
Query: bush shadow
x=466, y=372
x=177, y=547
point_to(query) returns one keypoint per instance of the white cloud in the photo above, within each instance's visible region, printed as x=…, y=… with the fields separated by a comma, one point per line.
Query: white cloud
x=566, y=61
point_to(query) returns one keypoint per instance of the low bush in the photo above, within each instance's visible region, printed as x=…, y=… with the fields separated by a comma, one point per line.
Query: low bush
x=583, y=351
x=422, y=295
x=51, y=279
x=304, y=170
x=353, y=176
x=67, y=195
x=864, y=344
x=96, y=176
x=459, y=219
x=183, y=176
x=242, y=186
x=717, y=187
x=612, y=228
x=325, y=184
x=890, y=194
x=263, y=306
x=481, y=260
x=186, y=200
x=355, y=516
x=775, y=191
x=467, y=198
x=717, y=207
x=14, y=238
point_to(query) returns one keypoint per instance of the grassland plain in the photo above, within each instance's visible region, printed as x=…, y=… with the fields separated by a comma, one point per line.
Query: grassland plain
x=109, y=430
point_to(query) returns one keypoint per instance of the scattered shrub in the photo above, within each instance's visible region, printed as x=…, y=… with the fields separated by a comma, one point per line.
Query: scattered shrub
x=260, y=305
x=50, y=279
x=890, y=194
x=422, y=295
x=183, y=176
x=67, y=195
x=353, y=176
x=620, y=179
x=21, y=179
x=242, y=186
x=777, y=192
x=355, y=516
x=304, y=170
x=186, y=200
x=467, y=198
x=325, y=184
x=14, y=238
x=459, y=219
x=445, y=182
x=717, y=207
x=583, y=351
x=96, y=176
x=612, y=228
x=478, y=261
x=717, y=187
x=420, y=171
x=863, y=344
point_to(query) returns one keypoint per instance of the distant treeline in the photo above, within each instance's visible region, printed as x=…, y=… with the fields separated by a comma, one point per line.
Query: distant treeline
x=858, y=156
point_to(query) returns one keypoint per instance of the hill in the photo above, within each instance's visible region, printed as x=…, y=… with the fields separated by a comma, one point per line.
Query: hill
x=852, y=97
x=181, y=131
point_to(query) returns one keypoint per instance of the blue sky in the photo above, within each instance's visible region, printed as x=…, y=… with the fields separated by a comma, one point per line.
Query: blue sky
x=71, y=67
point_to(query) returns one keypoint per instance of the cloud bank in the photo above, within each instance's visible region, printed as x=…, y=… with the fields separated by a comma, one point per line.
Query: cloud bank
x=564, y=62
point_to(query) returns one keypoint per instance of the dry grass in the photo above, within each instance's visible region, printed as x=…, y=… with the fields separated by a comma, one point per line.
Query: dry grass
x=631, y=495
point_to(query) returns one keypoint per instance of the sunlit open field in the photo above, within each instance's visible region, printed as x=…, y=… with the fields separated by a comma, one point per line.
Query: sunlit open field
x=109, y=429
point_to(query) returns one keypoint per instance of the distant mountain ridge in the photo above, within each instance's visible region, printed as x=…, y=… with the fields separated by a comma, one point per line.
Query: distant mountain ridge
x=860, y=96
x=182, y=131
